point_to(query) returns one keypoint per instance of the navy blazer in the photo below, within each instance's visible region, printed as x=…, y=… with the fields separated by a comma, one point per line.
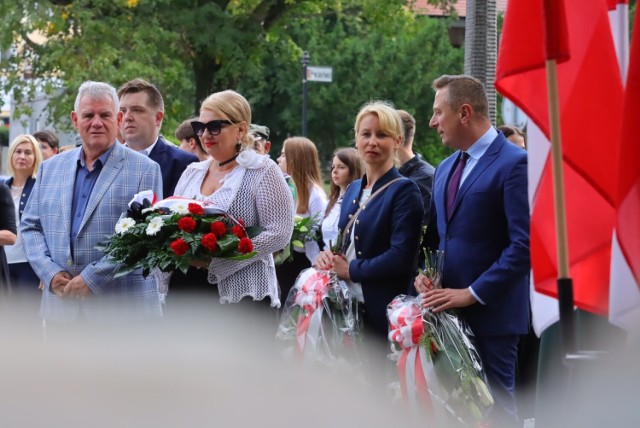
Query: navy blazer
x=25, y=195
x=386, y=234
x=173, y=161
x=486, y=239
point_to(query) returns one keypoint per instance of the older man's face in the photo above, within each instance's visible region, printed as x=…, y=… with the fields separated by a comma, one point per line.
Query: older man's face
x=97, y=122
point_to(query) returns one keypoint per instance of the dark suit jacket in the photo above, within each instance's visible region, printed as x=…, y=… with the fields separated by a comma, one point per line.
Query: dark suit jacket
x=25, y=195
x=421, y=172
x=486, y=240
x=387, y=235
x=173, y=162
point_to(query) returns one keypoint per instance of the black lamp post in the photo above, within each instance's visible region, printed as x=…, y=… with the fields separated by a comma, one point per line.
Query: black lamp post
x=305, y=62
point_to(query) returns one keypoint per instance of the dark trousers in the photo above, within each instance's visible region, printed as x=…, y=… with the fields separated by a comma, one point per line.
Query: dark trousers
x=499, y=355
x=23, y=278
x=288, y=272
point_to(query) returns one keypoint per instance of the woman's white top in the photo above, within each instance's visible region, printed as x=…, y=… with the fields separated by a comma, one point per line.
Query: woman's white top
x=330, y=224
x=15, y=253
x=256, y=192
x=356, y=287
x=317, y=207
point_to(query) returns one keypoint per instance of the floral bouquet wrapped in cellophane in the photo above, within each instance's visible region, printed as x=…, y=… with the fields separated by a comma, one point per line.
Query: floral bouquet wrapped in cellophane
x=174, y=233
x=439, y=369
x=305, y=229
x=321, y=318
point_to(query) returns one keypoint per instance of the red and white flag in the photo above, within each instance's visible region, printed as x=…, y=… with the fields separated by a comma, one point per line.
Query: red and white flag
x=590, y=91
x=624, y=303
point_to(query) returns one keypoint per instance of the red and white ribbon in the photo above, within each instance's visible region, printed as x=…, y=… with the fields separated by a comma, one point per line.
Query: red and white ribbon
x=313, y=288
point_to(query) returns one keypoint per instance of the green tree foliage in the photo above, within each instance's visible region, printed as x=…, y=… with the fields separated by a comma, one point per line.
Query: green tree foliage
x=190, y=48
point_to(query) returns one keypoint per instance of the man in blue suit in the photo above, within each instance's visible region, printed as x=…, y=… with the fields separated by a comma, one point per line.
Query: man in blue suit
x=480, y=219
x=143, y=108
x=74, y=205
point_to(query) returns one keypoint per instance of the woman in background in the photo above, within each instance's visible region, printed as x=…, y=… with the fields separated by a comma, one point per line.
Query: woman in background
x=7, y=234
x=299, y=159
x=346, y=167
x=24, y=160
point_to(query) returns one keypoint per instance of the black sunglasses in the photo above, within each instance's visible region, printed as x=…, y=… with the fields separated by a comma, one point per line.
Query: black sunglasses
x=214, y=127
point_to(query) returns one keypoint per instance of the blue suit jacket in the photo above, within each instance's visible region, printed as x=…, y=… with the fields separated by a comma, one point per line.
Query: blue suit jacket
x=387, y=235
x=173, y=162
x=46, y=234
x=486, y=240
x=26, y=192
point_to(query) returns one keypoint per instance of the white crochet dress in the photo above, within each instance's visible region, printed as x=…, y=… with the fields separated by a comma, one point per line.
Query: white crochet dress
x=256, y=192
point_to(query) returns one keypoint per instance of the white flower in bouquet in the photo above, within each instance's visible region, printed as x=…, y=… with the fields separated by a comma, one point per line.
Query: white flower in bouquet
x=154, y=226
x=180, y=208
x=124, y=224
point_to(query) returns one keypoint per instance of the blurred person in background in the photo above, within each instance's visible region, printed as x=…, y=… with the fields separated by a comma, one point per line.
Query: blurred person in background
x=25, y=158
x=299, y=159
x=260, y=136
x=189, y=141
x=142, y=105
x=346, y=167
x=49, y=143
x=513, y=134
x=8, y=233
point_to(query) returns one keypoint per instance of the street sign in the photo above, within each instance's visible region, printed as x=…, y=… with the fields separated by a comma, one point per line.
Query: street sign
x=319, y=74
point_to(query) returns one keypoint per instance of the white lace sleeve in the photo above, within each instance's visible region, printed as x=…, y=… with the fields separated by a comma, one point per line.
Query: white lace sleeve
x=273, y=210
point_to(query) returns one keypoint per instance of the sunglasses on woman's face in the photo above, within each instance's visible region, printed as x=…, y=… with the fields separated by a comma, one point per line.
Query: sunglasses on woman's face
x=214, y=127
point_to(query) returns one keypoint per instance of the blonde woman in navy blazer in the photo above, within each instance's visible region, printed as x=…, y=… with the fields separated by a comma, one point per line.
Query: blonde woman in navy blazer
x=379, y=257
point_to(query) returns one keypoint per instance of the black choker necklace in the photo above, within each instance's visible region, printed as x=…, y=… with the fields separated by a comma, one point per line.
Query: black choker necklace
x=228, y=160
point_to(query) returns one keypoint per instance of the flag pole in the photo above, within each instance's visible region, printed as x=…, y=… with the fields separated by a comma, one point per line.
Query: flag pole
x=565, y=284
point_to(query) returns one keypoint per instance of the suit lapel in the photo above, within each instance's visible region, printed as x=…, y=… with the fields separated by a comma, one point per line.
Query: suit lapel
x=66, y=189
x=110, y=171
x=483, y=163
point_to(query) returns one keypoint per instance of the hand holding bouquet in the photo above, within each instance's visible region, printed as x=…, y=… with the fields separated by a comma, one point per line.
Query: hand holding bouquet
x=175, y=233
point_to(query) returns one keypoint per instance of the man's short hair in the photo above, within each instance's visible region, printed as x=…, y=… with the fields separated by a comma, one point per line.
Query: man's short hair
x=49, y=137
x=185, y=131
x=464, y=89
x=140, y=85
x=96, y=91
x=408, y=126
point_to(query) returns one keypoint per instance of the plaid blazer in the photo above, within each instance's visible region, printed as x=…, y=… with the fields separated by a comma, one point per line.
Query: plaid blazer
x=46, y=233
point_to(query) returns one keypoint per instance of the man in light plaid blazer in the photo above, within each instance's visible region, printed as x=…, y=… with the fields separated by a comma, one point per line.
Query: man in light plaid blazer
x=77, y=199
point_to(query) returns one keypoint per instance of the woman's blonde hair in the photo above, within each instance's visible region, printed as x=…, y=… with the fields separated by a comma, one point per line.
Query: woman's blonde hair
x=234, y=107
x=25, y=138
x=303, y=165
x=388, y=118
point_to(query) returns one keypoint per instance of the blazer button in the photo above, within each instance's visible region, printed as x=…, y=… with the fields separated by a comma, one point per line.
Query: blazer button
x=69, y=262
x=350, y=215
x=359, y=253
x=357, y=221
x=357, y=238
x=363, y=207
x=354, y=202
x=21, y=203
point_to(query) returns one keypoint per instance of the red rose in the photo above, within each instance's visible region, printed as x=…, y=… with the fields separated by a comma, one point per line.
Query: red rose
x=209, y=241
x=434, y=348
x=219, y=228
x=245, y=245
x=187, y=224
x=195, y=209
x=179, y=247
x=238, y=231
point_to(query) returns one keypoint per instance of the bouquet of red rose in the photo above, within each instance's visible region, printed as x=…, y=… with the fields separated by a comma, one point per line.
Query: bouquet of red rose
x=173, y=233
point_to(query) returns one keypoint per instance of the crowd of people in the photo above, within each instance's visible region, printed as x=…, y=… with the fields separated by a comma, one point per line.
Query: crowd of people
x=58, y=206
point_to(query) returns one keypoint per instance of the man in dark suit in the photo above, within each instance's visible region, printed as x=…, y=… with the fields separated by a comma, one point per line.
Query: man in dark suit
x=480, y=219
x=143, y=108
x=412, y=164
